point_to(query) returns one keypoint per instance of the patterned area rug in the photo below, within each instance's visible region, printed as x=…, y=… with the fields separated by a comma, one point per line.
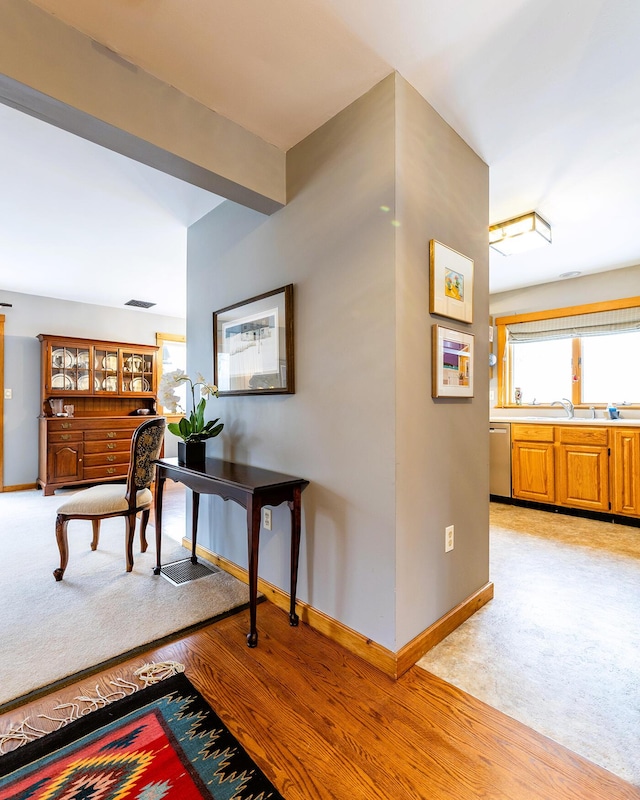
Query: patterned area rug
x=163, y=741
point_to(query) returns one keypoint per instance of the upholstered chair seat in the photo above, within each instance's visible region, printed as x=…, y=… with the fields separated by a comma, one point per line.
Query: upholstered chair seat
x=117, y=500
x=104, y=500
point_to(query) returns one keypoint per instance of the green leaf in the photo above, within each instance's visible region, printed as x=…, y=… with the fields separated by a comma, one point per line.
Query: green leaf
x=201, y=407
x=217, y=430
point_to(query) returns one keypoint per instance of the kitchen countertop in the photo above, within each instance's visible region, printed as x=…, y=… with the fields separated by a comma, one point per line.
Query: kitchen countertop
x=634, y=423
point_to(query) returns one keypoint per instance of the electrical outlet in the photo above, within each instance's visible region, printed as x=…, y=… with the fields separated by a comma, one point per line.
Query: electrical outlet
x=8, y=394
x=266, y=519
x=448, y=538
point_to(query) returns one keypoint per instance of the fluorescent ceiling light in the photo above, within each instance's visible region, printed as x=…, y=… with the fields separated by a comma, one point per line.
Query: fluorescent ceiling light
x=520, y=234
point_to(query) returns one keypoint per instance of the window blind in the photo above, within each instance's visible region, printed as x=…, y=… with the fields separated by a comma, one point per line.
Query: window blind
x=598, y=323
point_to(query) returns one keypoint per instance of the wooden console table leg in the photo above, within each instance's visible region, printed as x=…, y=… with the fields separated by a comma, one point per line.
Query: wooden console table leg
x=253, y=534
x=160, y=479
x=194, y=524
x=294, y=505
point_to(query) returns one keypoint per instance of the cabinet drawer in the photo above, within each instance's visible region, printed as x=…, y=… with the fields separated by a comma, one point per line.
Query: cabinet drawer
x=105, y=459
x=582, y=435
x=532, y=433
x=108, y=446
x=105, y=471
x=113, y=423
x=65, y=424
x=60, y=437
x=108, y=435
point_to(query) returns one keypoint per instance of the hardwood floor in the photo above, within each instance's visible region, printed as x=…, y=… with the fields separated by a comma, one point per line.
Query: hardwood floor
x=323, y=724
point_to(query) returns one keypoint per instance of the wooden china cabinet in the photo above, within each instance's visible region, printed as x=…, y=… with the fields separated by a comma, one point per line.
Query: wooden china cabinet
x=111, y=387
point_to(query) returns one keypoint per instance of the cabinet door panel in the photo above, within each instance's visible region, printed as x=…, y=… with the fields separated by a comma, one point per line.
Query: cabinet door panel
x=533, y=471
x=583, y=477
x=625, y=483
x=65, y=462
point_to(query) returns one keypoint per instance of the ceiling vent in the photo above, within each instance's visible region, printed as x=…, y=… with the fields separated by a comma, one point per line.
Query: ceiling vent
x=139, y=303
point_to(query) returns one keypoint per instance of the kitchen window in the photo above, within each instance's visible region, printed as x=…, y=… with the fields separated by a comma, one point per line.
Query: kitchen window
x=587, y=354
x=611, y=363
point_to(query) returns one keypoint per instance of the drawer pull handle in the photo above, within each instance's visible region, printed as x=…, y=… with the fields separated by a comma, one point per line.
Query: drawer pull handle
x=66, y=425
x=111, y=458
x=65, y=436
x=111, y=435
x=111, y=470
x=111, y=445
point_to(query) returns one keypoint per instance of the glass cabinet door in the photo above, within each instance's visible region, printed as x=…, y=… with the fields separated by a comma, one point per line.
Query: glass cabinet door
x=105, y=370
x=70, y=369
x=137, y=372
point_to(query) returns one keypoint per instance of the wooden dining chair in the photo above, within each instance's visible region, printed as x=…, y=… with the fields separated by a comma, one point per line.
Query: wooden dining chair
x=117, y=499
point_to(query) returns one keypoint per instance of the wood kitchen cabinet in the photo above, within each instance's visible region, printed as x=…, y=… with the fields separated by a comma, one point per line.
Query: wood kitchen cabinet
x=533, y=472
x=625, y=471
x=582, y=467
x=112, y=389
x=591, y=467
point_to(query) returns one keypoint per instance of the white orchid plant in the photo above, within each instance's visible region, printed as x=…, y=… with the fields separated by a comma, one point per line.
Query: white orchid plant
x=192, y=427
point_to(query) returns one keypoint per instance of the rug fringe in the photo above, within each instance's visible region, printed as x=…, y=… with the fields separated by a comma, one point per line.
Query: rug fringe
x=26, y=731
x=154, y=673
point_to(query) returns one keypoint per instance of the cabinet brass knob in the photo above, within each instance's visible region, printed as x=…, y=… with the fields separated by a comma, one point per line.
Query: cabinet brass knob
x=111, y=458
x=66, y=425
x=111, y=445
x=111, y=435
x=111, y=470
x=65, y=436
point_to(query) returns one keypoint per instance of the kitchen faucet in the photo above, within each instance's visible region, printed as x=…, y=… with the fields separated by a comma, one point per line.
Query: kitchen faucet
x=566, y=404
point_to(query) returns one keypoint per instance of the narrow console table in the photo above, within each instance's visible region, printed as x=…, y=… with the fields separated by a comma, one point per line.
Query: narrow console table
x=250, y=487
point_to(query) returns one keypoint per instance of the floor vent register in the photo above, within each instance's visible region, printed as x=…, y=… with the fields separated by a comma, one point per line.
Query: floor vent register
x=179, y=572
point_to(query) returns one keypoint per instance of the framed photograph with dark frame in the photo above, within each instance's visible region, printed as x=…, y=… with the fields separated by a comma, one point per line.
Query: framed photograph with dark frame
x=253, y=345
x=452, y=363
x=451, y=276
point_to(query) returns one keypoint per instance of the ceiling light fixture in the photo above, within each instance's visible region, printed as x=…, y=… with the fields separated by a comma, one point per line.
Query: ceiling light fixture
x=520, y=234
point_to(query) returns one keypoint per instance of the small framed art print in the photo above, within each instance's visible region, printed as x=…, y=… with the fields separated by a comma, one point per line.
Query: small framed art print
x=452, y=363
x=451, y=283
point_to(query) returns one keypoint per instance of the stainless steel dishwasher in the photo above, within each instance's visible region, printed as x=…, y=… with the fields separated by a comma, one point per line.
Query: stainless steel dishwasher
x=500, y=459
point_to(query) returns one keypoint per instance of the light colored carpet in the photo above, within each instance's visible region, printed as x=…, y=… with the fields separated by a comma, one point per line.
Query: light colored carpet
x=50, y=630
x=558, y=648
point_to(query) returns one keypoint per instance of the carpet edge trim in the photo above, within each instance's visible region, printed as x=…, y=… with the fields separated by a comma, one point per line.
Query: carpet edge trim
x=114, y=661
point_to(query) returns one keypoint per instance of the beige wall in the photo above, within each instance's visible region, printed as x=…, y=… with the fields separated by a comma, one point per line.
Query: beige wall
x=441, y=445
x=612, y=285
x=337, y=247
x=389, y=467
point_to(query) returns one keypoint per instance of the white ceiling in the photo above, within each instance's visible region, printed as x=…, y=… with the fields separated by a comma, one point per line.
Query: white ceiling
x=80, y=222
x=547, y=92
